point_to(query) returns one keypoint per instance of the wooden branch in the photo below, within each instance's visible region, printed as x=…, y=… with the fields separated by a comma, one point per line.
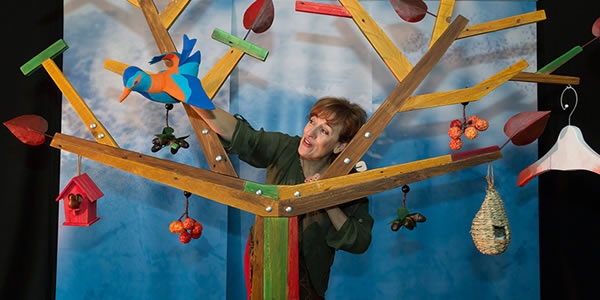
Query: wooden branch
x=161, y=35
x=359, y=145
x=334, y=191
x=510, y=22
x=215, y=154
x=545, y=78
x=98, y=131
x=224, y=189
x=389, y=53
x=463, y=95
x=443, y=19
x=322, y=8
x=170, y=13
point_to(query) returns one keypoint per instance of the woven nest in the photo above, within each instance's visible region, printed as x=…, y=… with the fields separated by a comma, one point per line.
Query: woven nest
x=490, y=229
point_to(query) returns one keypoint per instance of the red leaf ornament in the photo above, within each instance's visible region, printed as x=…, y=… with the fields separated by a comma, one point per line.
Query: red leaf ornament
x=411, y=11
x=29, y=129
x=259, y=16
x=524, y=128
x=596, y=28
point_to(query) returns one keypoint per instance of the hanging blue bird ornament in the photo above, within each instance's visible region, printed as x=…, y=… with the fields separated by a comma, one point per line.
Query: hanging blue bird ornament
x=178, y=83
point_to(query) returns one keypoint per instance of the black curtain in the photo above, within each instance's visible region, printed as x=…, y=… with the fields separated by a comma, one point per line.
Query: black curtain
x=568, y=224
x=30, y=181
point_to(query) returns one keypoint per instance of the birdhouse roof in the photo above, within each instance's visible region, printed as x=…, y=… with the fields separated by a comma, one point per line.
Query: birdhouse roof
x=86, y=184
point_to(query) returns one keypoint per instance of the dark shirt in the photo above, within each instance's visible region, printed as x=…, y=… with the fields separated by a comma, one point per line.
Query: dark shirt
x=318, y=239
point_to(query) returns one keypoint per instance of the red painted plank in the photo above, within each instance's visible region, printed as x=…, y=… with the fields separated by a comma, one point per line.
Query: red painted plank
x=293, y=263
x=474, y=152
x=323, y=9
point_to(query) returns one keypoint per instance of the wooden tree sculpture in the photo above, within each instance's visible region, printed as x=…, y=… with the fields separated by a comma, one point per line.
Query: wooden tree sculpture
x=277, y=207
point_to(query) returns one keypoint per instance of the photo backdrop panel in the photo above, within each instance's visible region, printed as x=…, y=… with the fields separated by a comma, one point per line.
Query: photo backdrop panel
x=310, y=56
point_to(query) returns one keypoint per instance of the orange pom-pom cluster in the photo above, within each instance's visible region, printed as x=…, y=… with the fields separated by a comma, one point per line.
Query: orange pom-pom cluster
x=470, y=128
x=187, y=229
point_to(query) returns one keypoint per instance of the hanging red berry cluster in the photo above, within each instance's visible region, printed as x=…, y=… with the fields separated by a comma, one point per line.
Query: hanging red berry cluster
x=470, y=127
x=187, y=229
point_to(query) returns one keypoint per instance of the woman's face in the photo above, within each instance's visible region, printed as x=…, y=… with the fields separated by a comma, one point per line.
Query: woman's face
x=320, y=139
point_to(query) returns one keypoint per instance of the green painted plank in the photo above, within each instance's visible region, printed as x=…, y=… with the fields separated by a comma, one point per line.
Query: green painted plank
x=245, y=46
x=51, y=52
x=275, y=258
x=561, y=60
x=267, y=190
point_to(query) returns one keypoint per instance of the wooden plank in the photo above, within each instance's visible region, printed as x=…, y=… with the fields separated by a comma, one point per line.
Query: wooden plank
x=443, y=19
x=49, y=53
x=235, y=42
x=463, y=95
x=170, y=13
x=389, y=53
x=220, y=188
x=161, y=35
x=215, y=155
x=357, y=147
x=293, y=282
x=510, y=22
x=338, y=190
x=322, y=9
x=546, y=78
x=98, y=131
x=275, y=258
x=257, y=260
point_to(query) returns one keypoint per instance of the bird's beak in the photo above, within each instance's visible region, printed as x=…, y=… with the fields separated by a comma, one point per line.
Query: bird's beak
x=126, y=92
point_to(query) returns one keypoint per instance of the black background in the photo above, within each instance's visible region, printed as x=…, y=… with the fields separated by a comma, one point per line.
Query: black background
x=30, y=178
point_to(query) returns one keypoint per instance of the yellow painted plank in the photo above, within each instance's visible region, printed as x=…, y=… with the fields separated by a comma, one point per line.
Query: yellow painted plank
x=464, y=95
x=443, y=19
x=510, y=22
x=389, y=53
x=98, y=131
x=170, y=13
x=337, y=190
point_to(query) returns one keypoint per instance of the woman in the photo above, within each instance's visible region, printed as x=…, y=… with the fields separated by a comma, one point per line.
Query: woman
x=290, y=160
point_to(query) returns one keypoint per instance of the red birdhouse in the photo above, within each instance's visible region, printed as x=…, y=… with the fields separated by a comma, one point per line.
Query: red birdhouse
x=79, y=199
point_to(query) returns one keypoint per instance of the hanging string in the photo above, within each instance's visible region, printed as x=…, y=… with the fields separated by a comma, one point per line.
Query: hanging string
x=78, y=164
x=490, y=176
x=565, y=106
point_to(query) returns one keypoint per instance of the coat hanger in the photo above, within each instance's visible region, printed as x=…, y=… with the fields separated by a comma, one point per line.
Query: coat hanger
x=570, y=151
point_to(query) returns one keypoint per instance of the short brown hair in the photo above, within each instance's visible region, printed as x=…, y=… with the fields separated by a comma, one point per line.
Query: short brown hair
x=336, y=110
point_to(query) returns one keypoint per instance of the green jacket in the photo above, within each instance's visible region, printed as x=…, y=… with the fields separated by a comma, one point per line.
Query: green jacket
x=318, y=239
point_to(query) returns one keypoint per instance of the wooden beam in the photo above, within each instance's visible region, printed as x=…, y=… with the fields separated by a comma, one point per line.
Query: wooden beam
x=235, y=42
x=303, y=198
x=463, y=95
x=170, y=13
x=322, y=8
x=359, y=145
x=220, y=188
x=389, y=53
x=443, y=19
x=546, y=78
x=501, y=24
